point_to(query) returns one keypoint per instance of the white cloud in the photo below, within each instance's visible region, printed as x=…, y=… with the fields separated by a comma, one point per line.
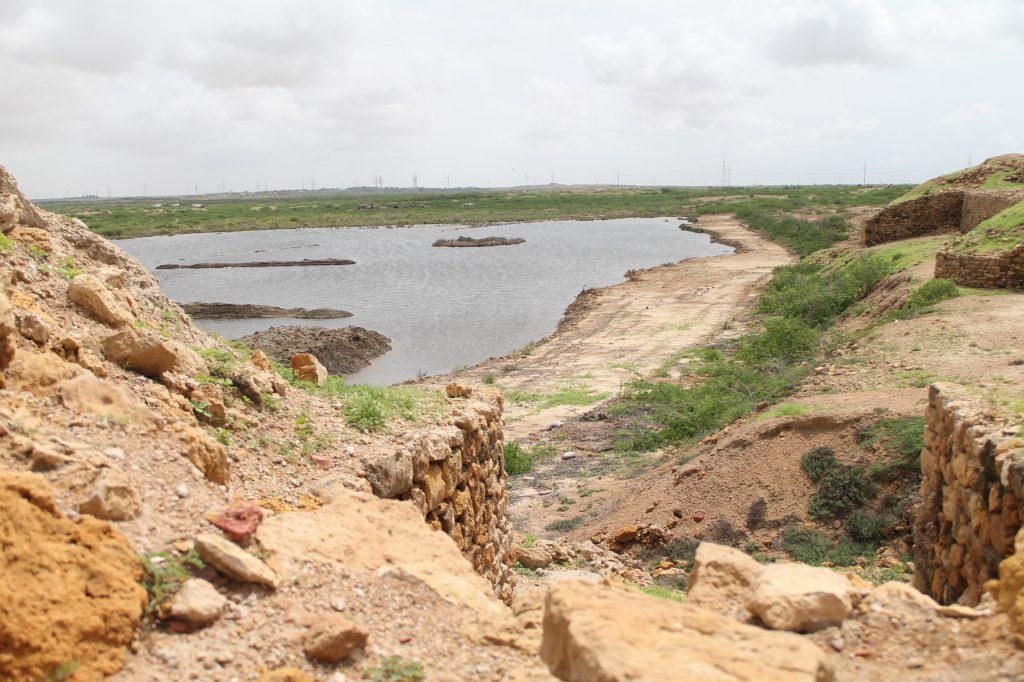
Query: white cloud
x=816, y=32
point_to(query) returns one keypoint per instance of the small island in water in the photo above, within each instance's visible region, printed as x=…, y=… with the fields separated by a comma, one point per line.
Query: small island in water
x=483, y=241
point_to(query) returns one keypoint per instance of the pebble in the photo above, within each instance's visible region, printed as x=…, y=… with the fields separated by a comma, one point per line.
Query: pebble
x=181, y=491
x=915, y=662
x=339, y=604
x=837, y=643
x=568, y=455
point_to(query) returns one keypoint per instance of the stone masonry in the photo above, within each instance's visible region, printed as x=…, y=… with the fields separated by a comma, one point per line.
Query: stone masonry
x=946, y=211
x=1000, y=270
x=972, y=492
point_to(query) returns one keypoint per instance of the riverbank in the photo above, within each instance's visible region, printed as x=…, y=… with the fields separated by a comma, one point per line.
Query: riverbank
x=623, y=332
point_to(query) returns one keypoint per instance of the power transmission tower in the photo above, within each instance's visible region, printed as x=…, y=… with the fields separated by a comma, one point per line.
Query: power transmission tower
x=415, y=184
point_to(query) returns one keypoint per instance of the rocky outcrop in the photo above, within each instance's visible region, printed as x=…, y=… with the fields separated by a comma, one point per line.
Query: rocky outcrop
x=70, y=590
x=972, y=489
x=341, y=351
x=596, y=632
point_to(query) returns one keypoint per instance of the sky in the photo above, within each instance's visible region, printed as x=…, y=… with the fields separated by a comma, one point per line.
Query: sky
x=126, y=98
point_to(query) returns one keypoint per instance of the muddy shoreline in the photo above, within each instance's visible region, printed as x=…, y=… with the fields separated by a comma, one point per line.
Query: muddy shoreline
x=249, y=311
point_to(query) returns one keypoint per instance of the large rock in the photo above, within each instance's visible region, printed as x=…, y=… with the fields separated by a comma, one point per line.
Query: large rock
x=40, y=373
x=140, y=351
x=603, y=633
x=233, y=561
x=204, y=452
x=112, y=497
x=1008, y=590
x=70, y=590
x=722, y=580
x=187, y=361
x=333, y=638
x=90, y=395
x=8, y=330
x=800, y=598
x=308, y=368
x=99, y=301
x=390, y=475
x=197, y=603
x=15, y=209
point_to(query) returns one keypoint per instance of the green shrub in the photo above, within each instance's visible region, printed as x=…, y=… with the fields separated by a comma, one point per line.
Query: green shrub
x=840, y=491
x=819, y=462
x=867, y=527
x=489, y=378
x=902, y=437
x=928, y=294
x=365, y=412
x=784, y=339
x=814, y=547
x=518, y=460
x=565, y=525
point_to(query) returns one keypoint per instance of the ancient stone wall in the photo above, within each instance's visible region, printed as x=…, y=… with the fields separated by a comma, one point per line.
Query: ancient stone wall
x=972, y=492
x=1002, y=270
x=456, y=475
x=932, y=214
x=980, y=205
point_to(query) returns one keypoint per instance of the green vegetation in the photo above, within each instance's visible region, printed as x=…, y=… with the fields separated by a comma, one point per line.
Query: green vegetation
x=788, y=410
x=63, y=672
x=165, y=573
x=927, y=295
x=140, y=217
x=69, y=270
x=841, y=488
x=1001, y=232
x=572, y=393
x=395, y=669
x=814, y=547
x=662, y=592
x=565, y=525
x=910, y=252
x=6, y=243
x=518, y=460
x=800, y=301
x=904, y=439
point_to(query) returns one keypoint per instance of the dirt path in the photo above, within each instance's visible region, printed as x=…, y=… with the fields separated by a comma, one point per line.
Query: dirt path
x=627, y=331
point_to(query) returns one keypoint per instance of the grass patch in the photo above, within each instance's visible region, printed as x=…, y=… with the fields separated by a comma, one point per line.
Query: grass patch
x=165, y=574
x=565, y=525
x=815, y=548
x=789, y=410
x=395, y=669
x=662, y=592
x=904, y=439
x=927, y=295
x=1001, y=232
x=518, y=460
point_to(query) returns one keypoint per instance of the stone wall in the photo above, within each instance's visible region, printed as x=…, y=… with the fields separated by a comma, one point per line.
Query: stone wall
x=932, y=214
x=456, y=475
x=972, y=492
x=980, y=205
x=1000, y=270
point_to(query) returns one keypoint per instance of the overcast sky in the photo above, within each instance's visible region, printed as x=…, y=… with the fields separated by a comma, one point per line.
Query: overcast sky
x=158, y=96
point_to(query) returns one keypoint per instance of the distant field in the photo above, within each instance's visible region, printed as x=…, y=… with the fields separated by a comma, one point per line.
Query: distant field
x=124, y=218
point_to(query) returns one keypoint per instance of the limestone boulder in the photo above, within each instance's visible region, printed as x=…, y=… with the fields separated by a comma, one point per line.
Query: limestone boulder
x=40, y=373
x=100, y=302
x=112, y=497
x=204, y=452
x=140, y=351
x=457, y=389
x=333, y=638
x=600, y=632
x=260, y=360
x=70, y=590
x=197, y=602
x=34, y=328
x=389, y=474
x=722, y=580
x=308, y=368
x=187, y=362
x=233, y=561
x=88, y=394
x=15, y=209
x=534, y=557
x=8, y=330
x=800, y=598
x=209, y=404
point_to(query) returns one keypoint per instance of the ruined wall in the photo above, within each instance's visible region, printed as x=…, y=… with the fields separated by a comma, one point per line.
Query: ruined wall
x=1001, y=270
x=980, y=205
x=972, y=492
x=932, y=214
x=456, y=475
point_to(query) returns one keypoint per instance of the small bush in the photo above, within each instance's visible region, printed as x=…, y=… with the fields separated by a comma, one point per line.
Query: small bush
x=565, y=525
x=489, y=378
x=819, y=462
x=365, y=413
x=805, y=544
x=903, y=437
x=840, y=491
x=867, y=527
x=518, y=460
x=928, y=294
x=784, y=339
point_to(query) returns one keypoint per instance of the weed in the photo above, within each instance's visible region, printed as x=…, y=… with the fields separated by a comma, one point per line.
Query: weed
x=221, y=362
x=926, y=296
x=38, y=253
x=902, y=437
x=814, y=547
x=70, y=269
x=526, y=571
x=529, y=540
x=489, y=378
x=565, y=525
x=662, y=592
x=165, y=573
x=518, y=460
x=395, y=669
x=6, y=243
x=223, y=436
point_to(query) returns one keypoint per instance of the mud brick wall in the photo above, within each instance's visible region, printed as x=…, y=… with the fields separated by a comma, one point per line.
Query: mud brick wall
x=456, y=475
x=932, y=214
x=1003, y=270
x=972, y=490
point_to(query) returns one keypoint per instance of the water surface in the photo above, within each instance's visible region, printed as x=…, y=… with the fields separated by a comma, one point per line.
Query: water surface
x=441, y=307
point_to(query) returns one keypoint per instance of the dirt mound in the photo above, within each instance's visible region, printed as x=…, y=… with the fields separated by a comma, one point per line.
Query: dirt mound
x=341, y=351
x=70, y=594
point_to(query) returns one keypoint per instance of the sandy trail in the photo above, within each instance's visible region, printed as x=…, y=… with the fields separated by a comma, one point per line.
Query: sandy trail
x=628, y=330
